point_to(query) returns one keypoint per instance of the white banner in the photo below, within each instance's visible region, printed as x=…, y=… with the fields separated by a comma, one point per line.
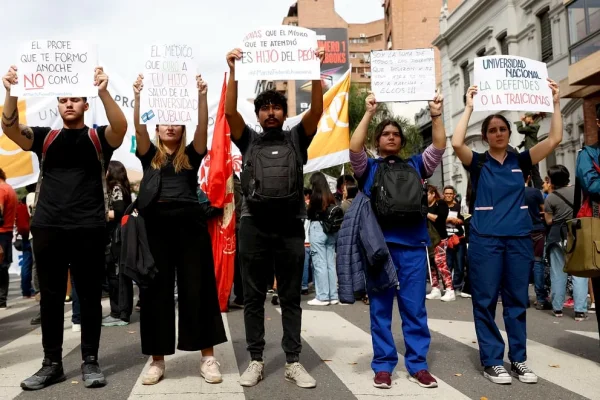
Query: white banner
x=403, y=75
x=279, y=53
x=170, y=95
x=510, y=83
x=56, y=68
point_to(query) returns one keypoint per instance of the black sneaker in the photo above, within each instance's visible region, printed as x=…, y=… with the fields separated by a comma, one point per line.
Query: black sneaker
x=557, y=314
x=543, y=306
x=37, y=319
x=497, y=374
x=579, y=316
x=304, y=292
x=275, y=299
x=521, y=370
x=49, y=374
x=91, y=374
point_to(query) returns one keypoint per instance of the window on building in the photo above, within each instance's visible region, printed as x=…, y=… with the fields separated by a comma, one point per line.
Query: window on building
x=546, y=35
x=503, y=42
x=584, y=28
x=353, y=55
x=466, y=79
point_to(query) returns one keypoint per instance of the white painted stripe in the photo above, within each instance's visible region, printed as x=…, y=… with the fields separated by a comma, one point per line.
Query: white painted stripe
x=349, y=351
x=22, y=357
x=484, y=208
x=524, y=207
x=573, y=373
x=592, y=335
x=15, y=307
x=182, y=376
x=516, y=170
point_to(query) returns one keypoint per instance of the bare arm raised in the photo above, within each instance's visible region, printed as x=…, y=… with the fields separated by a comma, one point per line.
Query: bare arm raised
x=463, y=152
x=234, y=118
x=201, y=134
x=142, y=138
x=22, y=135
x=547, y=146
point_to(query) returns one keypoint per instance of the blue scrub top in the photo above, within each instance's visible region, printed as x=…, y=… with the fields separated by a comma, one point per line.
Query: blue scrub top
x=500, y=208
x=413, y=236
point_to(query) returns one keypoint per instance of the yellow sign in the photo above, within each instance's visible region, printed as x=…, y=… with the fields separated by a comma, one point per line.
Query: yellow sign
x=15, y=162
x=333, y=134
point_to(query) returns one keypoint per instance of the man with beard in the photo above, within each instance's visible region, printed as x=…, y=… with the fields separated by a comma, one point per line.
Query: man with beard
x=69, y=222
x=271, y=230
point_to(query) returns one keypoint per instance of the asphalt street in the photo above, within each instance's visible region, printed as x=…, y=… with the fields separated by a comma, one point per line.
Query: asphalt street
x=336, y=351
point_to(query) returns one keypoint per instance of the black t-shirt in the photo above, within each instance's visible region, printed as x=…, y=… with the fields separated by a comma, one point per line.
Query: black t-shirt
x=71, y=194
x=301, y=142
x=180, y=186
x=440, y=208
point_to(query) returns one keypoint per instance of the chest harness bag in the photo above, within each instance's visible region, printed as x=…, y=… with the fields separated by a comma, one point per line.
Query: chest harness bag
x=50, y=138
x=398, y=194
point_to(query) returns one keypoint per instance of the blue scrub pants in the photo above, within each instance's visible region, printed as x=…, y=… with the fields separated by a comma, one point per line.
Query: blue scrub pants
x=411, y=265
x=500, y=264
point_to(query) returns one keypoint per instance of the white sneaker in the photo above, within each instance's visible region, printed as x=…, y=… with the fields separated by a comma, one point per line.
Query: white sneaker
x=76, y=327
x=448, y=296
x=435, y=294
x=334, y=302
x=316, y=302
x=465, y=295
x=253, y=374
x=296, y=373
x=592, y=309
x=209, y=370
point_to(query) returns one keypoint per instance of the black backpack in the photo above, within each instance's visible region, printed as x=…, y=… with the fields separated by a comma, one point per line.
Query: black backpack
x=332, y=219
x=272, y=174
x=398, y=194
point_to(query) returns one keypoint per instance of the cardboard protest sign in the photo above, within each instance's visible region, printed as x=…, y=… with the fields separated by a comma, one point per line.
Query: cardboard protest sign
x=403, y=75
x=170, y=94
x=279, y=53
x=56, y=68
x=510, y=83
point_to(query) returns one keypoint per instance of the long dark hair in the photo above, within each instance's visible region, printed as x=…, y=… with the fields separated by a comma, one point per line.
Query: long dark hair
x=117, y=176
x=321, y=196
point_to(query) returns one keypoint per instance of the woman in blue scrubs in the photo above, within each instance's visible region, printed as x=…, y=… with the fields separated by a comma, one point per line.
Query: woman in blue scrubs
x=500, y=247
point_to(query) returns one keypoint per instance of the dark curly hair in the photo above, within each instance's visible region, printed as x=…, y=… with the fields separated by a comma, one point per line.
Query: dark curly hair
x=270, y=97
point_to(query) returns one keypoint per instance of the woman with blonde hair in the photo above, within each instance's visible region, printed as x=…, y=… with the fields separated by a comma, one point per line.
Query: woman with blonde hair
x=180, y=244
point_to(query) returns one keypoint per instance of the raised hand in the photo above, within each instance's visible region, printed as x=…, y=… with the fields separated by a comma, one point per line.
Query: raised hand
x=138, y=85
x=371, y=104
x=437, y=104
x=10, y=78
x=472, y=91
x=100, y=79
x=555, y=91
x=320, y=53
x=235, y=54
x=202, y=86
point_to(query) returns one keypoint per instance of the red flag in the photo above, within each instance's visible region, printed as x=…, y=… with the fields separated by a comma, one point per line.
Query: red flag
x=219, y=189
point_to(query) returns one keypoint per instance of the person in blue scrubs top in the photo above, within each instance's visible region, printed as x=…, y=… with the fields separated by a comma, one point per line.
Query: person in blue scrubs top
x=407, y=246
x=500, y=246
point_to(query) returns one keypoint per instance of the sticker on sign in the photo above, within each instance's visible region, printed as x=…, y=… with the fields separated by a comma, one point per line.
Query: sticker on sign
x=510, y=83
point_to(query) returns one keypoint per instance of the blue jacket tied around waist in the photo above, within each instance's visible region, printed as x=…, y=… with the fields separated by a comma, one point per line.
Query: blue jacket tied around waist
x=362, y=253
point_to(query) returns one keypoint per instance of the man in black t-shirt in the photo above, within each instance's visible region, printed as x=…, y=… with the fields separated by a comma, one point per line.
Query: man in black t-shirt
x=273, y=238
x=69, y=223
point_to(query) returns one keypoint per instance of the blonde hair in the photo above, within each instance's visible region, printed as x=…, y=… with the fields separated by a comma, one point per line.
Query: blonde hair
x=180, y=161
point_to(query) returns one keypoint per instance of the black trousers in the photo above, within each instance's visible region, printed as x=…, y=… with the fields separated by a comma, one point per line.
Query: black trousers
x=81, y=250
x=6, y=244
x=238, y=286
x=180, y=244
x=596, y=290
x=120, y=290
x=264, y=245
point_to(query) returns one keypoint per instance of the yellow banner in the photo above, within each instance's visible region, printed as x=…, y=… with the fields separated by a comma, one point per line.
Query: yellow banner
x=16, y=164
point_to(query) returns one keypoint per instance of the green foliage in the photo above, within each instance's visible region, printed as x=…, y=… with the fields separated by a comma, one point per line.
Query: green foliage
x=21, y=193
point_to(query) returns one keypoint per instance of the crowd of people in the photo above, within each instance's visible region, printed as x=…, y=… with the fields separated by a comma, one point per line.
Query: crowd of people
x=377, y=238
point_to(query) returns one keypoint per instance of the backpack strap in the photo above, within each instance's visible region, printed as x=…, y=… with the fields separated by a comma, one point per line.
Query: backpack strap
x=93, y=135
x=48, y=140
x=475, y=173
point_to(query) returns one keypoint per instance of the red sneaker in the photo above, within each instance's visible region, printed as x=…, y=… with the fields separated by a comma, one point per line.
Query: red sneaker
x=383, y=380
x=424, y=379
x=569, y=303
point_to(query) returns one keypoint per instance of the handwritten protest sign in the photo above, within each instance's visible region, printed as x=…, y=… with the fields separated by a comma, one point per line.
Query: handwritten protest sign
x=403, y=75
x=511, y=83
x=56, y=68
x=170, y=94
x=279, y=53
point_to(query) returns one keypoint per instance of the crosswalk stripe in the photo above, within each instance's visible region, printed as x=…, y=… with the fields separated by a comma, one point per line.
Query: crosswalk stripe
x=592, y=335
x=22, y=357
x=182, y=376
x=556, y=366
x=348, y=350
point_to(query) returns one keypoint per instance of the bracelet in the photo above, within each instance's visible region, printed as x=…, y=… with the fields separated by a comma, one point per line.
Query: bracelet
x=435, y=116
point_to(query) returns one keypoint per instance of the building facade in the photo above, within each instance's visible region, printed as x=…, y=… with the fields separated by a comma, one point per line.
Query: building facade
x=535, y=29
x=360, y=39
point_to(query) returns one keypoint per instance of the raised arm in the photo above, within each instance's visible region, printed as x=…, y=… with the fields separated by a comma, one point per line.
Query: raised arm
x=117, y=123
x=310, y=120
x=22, y=135
x=547, y=146
x=437, y=122
x=357, y=141
x=234, y=118
x=142, y=138
x=463, y=152
x=201, y=134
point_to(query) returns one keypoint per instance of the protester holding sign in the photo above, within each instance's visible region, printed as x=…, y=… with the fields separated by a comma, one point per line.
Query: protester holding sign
x=180, y=244
x=406, y=237
x=500, y=246
x=69, y=221
x=271, y=227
